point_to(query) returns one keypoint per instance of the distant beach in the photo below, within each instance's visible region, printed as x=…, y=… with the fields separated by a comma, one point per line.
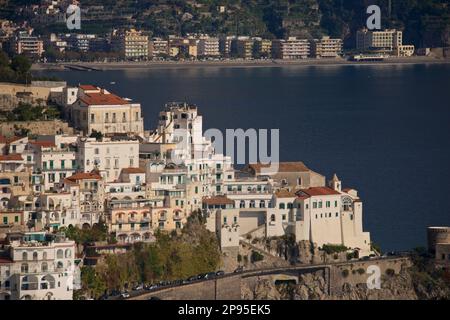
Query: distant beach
x=104, y=66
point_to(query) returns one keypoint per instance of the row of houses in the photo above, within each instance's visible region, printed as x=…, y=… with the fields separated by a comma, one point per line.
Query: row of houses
x=132, y=44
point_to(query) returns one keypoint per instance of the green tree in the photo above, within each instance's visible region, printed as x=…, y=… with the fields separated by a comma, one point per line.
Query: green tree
x=21, y=64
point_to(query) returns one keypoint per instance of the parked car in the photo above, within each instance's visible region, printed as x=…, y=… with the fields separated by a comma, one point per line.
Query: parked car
x=201, y=276
x=220, y=273
x=210, y=275
x=193, y=278
x=124, y=295
x=138, y=287
x=239, y=269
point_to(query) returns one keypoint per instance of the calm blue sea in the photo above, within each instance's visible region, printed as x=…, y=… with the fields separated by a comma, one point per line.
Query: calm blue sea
x=383, y=129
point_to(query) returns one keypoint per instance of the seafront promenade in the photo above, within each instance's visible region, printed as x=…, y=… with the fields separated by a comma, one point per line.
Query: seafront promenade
x=229, y=63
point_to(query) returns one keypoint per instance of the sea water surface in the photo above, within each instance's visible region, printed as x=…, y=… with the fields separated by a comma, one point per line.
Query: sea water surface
x=383, y=129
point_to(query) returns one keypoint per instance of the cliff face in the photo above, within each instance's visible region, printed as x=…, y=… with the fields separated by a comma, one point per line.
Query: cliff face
x=313, y=287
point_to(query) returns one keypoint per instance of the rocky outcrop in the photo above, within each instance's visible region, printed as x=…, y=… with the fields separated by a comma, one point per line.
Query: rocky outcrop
x=313, y=287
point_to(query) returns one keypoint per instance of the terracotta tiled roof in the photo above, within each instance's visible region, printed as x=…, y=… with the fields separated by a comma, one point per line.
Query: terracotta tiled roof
x=133, y=170
x=318, y=191
x=87, y=87
x=102, y=98
x=217, y=200
x=8, y=140
x=282, y=167
x=11, y=157
x=84, y=176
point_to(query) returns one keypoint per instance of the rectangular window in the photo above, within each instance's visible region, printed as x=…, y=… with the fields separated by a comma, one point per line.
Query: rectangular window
x=137, y=116
x=314, y=205
x=196, y=189
x=74, y=164
x=320, y=204
x=51, y=164
x=335, y=204
x=63, y=162
x=16, y=219
x=92, y=118
x=328, y=204
x=44, y=164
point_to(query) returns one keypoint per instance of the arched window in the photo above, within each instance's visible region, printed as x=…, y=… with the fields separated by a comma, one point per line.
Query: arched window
x=60, y=254
x=24, y=268
x=347, y=204
x=44, y=255
x=282, y=206
x=60, y=265
x=272, y=218
x=68, y=253
x=252, y=204
x=24, y=256
x=35, y=256
x=262, y=204
x=242, y=204
x=44, y=267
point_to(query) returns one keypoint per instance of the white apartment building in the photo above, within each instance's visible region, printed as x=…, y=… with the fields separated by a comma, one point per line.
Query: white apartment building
x=158, y=47
x=388, y=41
x=131, y=44
x=102, y=111
x=37, y=266
x=290, y=48
x=25, y=43
x=88, y=197
x=208, y=47
x=326, y=47
x=53, y=159
x=182, y=125
x=108, y=156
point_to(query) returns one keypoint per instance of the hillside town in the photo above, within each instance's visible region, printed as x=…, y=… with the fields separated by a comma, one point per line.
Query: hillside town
x=136, y=182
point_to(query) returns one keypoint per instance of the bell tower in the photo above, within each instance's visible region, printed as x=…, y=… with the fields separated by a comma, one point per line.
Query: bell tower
x=335, y=183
